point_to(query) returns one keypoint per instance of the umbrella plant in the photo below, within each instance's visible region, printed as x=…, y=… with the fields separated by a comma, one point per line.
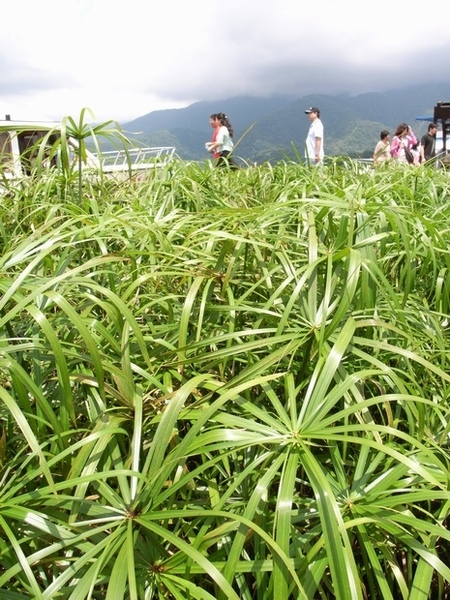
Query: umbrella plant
x=226, y=385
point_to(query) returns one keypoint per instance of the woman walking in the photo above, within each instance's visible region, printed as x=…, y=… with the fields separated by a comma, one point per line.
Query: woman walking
x=402, y=142
x=382, y=153
x=222, y=143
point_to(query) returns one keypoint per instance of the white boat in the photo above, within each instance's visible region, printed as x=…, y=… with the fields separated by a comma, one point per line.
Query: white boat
x=19, y=147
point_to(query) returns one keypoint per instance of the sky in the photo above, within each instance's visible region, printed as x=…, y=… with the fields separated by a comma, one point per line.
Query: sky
x=125, y=58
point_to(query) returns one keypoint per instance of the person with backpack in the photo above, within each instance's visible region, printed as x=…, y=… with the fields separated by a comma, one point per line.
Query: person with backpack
x=402, y=143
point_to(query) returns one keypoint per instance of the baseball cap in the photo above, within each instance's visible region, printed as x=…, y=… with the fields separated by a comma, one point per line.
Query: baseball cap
x=312, y=109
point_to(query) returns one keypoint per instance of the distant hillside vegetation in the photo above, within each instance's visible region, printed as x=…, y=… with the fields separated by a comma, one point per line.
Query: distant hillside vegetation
x=276, y=128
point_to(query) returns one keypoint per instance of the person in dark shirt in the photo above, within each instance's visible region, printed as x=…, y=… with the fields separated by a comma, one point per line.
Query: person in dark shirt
x=428, y=143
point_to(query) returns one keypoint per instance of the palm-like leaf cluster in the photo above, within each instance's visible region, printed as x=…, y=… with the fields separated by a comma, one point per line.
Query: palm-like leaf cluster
x=226, y=385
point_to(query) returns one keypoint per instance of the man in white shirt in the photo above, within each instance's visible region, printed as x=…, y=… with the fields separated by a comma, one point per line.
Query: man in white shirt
x=314, y=142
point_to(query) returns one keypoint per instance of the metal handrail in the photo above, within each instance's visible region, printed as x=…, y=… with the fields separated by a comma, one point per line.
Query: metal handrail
x=135, y=157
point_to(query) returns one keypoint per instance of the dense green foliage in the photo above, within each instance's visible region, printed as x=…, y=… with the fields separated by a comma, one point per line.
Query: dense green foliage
x=225, y=385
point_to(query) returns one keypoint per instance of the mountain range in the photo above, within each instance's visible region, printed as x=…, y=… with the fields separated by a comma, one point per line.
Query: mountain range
x=270, y=129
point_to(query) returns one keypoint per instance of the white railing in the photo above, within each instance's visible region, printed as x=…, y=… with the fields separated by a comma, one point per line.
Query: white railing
x=135, y=158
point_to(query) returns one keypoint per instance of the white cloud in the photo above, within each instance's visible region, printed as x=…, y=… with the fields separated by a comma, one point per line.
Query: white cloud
x=124, y=60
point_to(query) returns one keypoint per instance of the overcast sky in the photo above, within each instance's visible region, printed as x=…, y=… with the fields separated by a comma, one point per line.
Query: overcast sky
x=125, y=58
